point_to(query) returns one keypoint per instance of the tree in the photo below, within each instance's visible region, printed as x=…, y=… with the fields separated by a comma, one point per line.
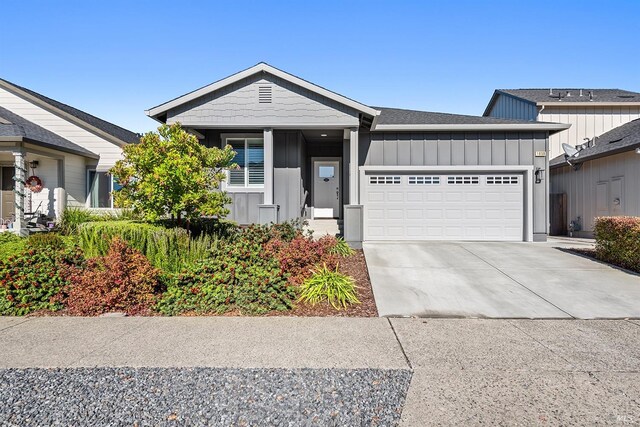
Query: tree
x=169, y=173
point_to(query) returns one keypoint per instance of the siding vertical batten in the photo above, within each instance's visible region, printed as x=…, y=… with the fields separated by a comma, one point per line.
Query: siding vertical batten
x=354, y=191
x=268, y=166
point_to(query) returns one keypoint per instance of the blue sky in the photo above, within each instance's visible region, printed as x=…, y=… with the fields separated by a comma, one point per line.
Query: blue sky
x=115, y=58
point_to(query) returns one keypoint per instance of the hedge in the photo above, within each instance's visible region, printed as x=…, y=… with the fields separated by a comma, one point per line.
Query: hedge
x=169, y=249
x=618, y=241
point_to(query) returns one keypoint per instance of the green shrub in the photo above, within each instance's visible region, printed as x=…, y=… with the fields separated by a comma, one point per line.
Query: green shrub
x=237, y=276
x=10, y=244
x=45, y=241
x=168, y=249
x=341, y=247
x=618, y=241
x=74, y=217
x=220, y=228
x=33, y=279
x=123, y=280
x=300, y=255
x=329, y=285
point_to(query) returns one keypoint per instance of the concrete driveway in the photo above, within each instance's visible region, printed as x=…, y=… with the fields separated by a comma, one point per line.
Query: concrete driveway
x=497, y=280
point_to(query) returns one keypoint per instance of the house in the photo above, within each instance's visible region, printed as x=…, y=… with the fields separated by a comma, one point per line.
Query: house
x=68, y=150
x=601, y=179
x=590, y=112
x=389, y=173
x=578, y=196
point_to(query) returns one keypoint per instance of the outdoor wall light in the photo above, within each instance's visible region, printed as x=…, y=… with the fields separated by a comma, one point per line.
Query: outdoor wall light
x=33, y=164
x=539, y=175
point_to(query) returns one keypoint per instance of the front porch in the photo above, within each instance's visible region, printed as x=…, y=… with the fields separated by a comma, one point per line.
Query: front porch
x=19, y=204
x=287, y=174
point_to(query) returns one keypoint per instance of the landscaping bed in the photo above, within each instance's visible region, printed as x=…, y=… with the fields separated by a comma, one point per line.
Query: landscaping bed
x=139, y=268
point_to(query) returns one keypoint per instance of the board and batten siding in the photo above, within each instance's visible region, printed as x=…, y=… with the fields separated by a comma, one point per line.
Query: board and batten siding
x=462, y=149
x=513, y=108
x=109, y=152
x=243, y=104
x=586, y=122
x=288, y=173
x=581, y=187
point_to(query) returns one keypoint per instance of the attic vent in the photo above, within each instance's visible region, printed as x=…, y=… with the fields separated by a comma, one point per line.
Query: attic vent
x=626, y=96
x=264, y=94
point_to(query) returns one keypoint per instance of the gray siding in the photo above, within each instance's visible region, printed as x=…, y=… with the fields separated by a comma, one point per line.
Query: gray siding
x=451, y=149
x=581, y=188
x=462, y=149
x=237, y=105
x=509, y=107
x=244, y=207
x=288, y=162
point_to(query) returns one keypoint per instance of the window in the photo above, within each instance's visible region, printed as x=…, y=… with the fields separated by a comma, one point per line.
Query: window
x=326, y=171
x=101, y=187
x=464, y=179
x=250, y=159
x=502, y=180
x=424, y=180
x=384, y=180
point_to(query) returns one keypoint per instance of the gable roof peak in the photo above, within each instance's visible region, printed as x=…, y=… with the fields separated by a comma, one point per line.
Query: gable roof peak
x=157, y=111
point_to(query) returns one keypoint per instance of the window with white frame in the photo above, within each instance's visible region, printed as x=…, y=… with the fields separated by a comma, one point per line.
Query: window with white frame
x=250, y=160
x=101, y=186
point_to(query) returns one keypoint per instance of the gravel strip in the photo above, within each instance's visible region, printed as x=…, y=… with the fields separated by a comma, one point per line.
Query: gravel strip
x=202, y=396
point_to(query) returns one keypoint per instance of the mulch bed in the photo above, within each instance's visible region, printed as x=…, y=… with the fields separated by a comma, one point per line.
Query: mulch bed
x=356, y=267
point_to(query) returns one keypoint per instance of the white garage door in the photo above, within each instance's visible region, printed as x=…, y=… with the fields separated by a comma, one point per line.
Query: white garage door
x=443, y=207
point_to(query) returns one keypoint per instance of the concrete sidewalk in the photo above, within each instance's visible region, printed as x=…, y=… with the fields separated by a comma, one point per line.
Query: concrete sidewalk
x=465, y=371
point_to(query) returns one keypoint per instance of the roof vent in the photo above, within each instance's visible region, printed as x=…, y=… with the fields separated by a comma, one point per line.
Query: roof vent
x=264, y=94
x=626, y=96
x=581, y=92
x=590, y=95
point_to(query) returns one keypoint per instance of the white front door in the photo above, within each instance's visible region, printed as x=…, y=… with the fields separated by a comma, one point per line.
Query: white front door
x=326, y=189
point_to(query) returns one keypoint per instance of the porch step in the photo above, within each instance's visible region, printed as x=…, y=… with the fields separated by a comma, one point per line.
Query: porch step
x=322, y=227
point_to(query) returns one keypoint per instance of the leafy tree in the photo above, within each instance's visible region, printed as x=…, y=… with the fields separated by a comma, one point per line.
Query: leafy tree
x=169, y=173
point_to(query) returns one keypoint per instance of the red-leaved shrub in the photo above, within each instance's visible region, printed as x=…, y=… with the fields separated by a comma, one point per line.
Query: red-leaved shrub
x=300, y=255
x=122, y=281
x=618, y=241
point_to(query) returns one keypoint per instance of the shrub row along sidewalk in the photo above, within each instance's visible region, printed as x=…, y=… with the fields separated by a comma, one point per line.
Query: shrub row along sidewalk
x=141, y=268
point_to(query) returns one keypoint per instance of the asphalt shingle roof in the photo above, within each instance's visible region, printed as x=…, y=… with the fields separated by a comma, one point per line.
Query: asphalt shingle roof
x=116, y=131
x=397, y=116
x=13, y=125
x=573, y=95
x=617, y=140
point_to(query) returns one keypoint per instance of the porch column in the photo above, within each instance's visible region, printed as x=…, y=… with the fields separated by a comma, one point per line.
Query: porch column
x=268, y=166
x=354, y=175
x=19, y=158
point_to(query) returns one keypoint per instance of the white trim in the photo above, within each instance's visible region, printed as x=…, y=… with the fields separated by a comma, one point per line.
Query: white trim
x=261, y=125
x=475, y=127
x=469, y=168
x=595, y=104
x=88, y=188
x=261, y=67
x=245, y=136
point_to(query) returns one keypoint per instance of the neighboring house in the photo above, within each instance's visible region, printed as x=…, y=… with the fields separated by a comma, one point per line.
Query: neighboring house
x=580, y=196
x=603, y=178
x=590, y=112
x=68, y=149
x=391, y=174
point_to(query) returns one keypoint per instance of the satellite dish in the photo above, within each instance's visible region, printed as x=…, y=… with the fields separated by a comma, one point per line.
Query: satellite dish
x=570, y=150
